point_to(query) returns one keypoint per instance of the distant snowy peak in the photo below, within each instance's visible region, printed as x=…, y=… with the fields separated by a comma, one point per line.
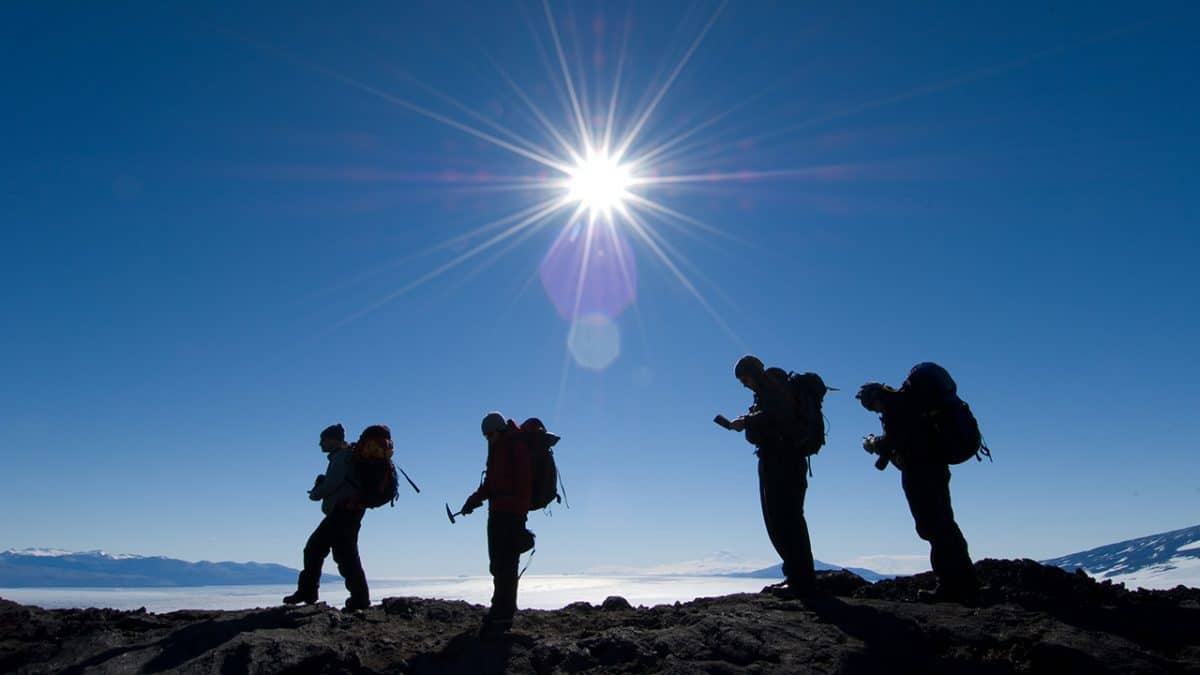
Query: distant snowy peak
x=59, y=553
x=54, y=568
x=1158, y=561
x=726, y=564
x=37, y=552
x=776, y=572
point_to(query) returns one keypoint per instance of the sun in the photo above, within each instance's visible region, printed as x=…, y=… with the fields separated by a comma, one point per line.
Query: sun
x=599, y=183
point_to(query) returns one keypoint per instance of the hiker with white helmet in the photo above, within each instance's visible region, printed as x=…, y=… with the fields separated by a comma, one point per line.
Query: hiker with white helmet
x=508, y=489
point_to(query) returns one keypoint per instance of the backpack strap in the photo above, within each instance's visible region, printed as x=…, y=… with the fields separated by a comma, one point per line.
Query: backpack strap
x=563, y=489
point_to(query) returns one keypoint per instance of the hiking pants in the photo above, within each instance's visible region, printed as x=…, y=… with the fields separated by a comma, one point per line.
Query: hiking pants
x=782, y=483
x=338, y=532
x=927, y=489
x=506, y=533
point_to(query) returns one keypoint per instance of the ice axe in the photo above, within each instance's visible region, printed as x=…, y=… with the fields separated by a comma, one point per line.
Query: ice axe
x=451, y=515
x=410, y=481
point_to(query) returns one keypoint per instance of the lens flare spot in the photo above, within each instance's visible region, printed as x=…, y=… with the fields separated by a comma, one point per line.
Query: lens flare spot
x=590, y=270
x=594, y=342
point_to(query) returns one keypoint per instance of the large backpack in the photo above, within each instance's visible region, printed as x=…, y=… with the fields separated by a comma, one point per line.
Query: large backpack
x=371, y=469
x=808, y=392
x=954, y=434
x=545, y=472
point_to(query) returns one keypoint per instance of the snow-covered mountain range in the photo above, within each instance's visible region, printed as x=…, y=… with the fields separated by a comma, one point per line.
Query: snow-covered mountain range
x=56, y=568
x=776, y=572
x=1158, y=561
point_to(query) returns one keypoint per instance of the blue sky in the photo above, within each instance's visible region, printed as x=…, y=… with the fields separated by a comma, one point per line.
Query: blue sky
x=205, y=208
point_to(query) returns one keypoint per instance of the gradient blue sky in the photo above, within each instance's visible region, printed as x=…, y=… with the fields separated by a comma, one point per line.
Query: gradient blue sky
x=200, y=206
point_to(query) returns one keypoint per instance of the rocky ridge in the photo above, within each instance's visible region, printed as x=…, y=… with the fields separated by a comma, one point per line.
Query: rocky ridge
x=1031, y=619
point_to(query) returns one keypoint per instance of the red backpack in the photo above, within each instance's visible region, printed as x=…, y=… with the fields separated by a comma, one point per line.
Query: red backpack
x=545, y=472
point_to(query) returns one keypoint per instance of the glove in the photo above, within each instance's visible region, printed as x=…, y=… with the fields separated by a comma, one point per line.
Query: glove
x=869, y=444
x=468, y=507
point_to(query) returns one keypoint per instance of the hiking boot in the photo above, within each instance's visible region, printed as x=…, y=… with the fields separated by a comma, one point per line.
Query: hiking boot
x=774, y=588
x=784, y=592
x=354, y=604
x=300, y=597
x=791, y=589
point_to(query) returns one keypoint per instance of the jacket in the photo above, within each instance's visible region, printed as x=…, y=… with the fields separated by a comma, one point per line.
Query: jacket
x=335, y=491
x=772, y=424
x=508, y=484
x=905, y=435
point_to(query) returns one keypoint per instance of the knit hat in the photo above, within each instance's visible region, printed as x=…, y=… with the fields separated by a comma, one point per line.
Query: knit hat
x=334, y=432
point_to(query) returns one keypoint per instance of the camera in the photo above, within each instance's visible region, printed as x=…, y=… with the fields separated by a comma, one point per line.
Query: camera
x=870, y=445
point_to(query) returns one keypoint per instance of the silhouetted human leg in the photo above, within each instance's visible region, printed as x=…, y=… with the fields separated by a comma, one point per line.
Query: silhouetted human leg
x=505, y=531
x=345, y=554
x=927, y=489
x=315, y=550
x=782, y=485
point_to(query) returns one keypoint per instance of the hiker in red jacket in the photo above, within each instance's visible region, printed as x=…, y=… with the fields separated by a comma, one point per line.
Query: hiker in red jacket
x=508, y=489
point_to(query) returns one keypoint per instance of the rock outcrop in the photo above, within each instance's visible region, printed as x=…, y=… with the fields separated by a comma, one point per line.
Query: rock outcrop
x=1031, y=619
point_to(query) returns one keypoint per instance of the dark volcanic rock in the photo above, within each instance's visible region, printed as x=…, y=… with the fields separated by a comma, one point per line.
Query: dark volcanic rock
x=615, y=603
x=1031, y=619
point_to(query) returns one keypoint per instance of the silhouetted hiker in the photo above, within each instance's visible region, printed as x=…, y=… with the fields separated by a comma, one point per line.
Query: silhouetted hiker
x=918, y=435
x=338, y=531
x=776, y=426
x=508, y=489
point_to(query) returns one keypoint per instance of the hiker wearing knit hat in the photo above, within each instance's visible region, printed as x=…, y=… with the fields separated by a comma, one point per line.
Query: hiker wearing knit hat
x=333, y=437
x=338, y=531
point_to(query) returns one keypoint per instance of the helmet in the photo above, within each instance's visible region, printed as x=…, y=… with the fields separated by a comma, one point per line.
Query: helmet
x=493, y=421
x=747, y=365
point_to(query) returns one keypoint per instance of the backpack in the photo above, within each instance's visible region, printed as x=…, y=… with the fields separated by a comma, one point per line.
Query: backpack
x=808, y=392
x=371, y=469
x=953, y=430
x=545, y=472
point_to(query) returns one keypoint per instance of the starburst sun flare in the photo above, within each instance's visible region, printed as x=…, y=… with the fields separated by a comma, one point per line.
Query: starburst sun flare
x=602, y=175
x=599, y=183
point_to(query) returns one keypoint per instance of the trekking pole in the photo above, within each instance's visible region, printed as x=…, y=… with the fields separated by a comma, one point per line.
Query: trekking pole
x=410, y=481
x=522, y=573
x=451, y=515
